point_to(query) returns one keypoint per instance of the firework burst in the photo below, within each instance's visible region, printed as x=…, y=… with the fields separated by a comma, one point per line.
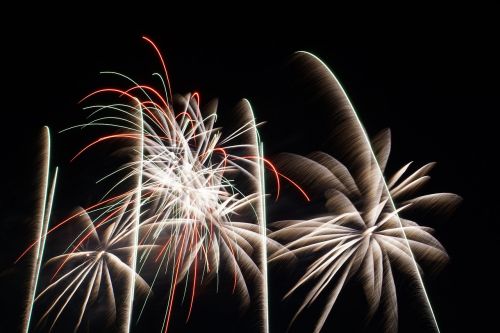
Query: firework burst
x=92, y=266
x=361, y=233
x=176, y=201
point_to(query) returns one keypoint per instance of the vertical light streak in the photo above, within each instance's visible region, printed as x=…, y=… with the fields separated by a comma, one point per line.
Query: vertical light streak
x=393, y=206
x=135, y=232
x=263, y=233
x=43, y=217
x=261, y=218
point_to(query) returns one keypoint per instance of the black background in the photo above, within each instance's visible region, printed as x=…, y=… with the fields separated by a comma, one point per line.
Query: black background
x=436, y=88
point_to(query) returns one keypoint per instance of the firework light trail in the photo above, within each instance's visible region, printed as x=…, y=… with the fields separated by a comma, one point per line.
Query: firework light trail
x=137, y=216
x=42, y=219
x=362, y=233
x=260, y=209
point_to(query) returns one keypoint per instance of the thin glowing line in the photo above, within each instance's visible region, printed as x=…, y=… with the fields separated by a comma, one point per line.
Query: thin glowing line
x=44, y=219
x=162, y=63
x=393, y=206
x=263, y=232
x=48, y=213
x=47, y=217
x=128, y=325
x=151, y=289
x=261, y=220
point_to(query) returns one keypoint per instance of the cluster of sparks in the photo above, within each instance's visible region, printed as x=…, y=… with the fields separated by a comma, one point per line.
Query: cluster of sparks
x=189, y=205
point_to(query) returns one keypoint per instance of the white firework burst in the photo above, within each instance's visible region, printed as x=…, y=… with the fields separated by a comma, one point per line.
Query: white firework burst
x=199, y=194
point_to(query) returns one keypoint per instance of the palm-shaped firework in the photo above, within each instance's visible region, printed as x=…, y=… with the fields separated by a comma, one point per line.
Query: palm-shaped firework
x=93, y=268
x=360, y=233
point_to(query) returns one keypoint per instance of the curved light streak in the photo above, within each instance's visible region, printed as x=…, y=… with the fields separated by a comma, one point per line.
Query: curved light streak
x=391, y=201
x=260, y=208
x=45, y=208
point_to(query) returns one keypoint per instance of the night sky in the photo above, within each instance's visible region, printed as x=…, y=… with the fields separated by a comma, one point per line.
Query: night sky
x=437, y=89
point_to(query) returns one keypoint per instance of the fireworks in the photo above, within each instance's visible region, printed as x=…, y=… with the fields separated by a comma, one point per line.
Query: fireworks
x=94, y=265
x=42, y=219
x=188, y=205
x=361, y=232
x=181, y=208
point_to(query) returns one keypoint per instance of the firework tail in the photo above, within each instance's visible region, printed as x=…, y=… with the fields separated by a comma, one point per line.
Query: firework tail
x=261, y=216
x=126, y=325
x=263, y=230
x=42, y=217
